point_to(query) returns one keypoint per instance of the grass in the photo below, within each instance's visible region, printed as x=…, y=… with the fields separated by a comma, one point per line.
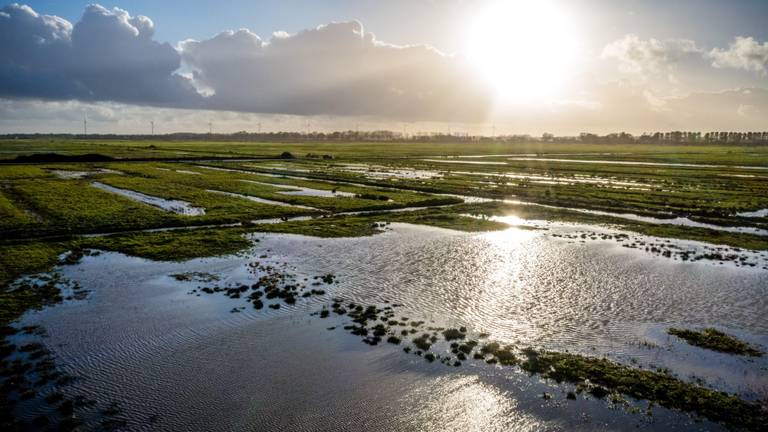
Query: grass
x=176, y=245
x=69, y=207
x=715, y=340
x=723, y=154
x=27, y=258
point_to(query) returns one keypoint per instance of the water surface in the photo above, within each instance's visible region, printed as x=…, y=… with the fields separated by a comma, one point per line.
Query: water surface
x=142, y=339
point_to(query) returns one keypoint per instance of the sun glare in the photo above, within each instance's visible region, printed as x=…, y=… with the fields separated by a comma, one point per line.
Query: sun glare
x=524, y=50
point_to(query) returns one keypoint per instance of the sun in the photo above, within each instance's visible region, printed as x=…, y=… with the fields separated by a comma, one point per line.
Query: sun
x=525, y=51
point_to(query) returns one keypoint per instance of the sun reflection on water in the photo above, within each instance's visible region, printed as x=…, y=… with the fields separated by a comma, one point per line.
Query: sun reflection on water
x=465, y=403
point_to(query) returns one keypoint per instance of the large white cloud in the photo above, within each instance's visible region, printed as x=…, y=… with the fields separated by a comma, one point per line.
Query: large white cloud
x=107, y=55
x=649, y=56
x=743, y=53
x=336, y=69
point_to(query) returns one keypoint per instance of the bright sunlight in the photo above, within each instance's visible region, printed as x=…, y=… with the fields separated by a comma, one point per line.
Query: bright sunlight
x=524, y=50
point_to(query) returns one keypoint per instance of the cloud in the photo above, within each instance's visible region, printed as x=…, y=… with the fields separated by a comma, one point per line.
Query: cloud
x=110, y=65
x=334, y=69
x=649, y=56
x=107, y=55
x=743, y=53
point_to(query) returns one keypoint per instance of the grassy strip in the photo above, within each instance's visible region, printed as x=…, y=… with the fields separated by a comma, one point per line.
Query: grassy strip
x=446, y=219
x=659, y=388
x=715, y=340
x=17, y=260
x=178, y=245
x=343, y=226
x=369, y=224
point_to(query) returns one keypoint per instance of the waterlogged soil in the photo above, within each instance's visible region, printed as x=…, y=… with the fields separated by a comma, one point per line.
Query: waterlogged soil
x=174, y=355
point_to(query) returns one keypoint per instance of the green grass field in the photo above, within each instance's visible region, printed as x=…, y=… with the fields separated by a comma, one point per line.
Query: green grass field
x=38, y=205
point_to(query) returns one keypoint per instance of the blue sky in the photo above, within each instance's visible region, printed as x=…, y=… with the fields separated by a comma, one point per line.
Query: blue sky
x=562, y=66
x=430, y=21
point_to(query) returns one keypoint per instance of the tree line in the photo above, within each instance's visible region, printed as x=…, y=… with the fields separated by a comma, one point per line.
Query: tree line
x=673, y=137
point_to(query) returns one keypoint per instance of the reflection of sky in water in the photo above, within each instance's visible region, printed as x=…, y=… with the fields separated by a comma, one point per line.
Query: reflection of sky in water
x=141, y=339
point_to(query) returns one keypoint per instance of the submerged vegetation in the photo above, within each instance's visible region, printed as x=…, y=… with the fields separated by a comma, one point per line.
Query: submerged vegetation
x=598, y=377
x=713, y=339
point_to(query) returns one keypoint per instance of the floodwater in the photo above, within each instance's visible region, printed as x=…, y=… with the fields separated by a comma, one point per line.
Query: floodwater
x=603, y=162
x=616, y=162
x=174, y=206
x=381, y=172
x=178, y=361
x=261, y=200
x=679, y=221
x=560, y=180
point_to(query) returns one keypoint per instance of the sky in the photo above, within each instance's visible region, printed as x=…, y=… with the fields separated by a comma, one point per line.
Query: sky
x=461, y=66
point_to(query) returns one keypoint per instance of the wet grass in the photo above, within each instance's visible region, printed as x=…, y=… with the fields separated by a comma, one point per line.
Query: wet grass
x=715, y=340
x=599, y=377
x=69, y=207
x=178, y=245
x=27, y=258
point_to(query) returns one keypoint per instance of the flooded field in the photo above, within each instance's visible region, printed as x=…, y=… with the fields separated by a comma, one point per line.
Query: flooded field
x=523, y=287
x=386, y=293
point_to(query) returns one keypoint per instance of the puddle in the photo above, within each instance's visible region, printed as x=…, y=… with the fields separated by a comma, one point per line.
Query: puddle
x=173, y=206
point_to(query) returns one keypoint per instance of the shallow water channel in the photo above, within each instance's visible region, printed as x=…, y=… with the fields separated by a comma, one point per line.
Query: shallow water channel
x=174, y=206
x=174, y=360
